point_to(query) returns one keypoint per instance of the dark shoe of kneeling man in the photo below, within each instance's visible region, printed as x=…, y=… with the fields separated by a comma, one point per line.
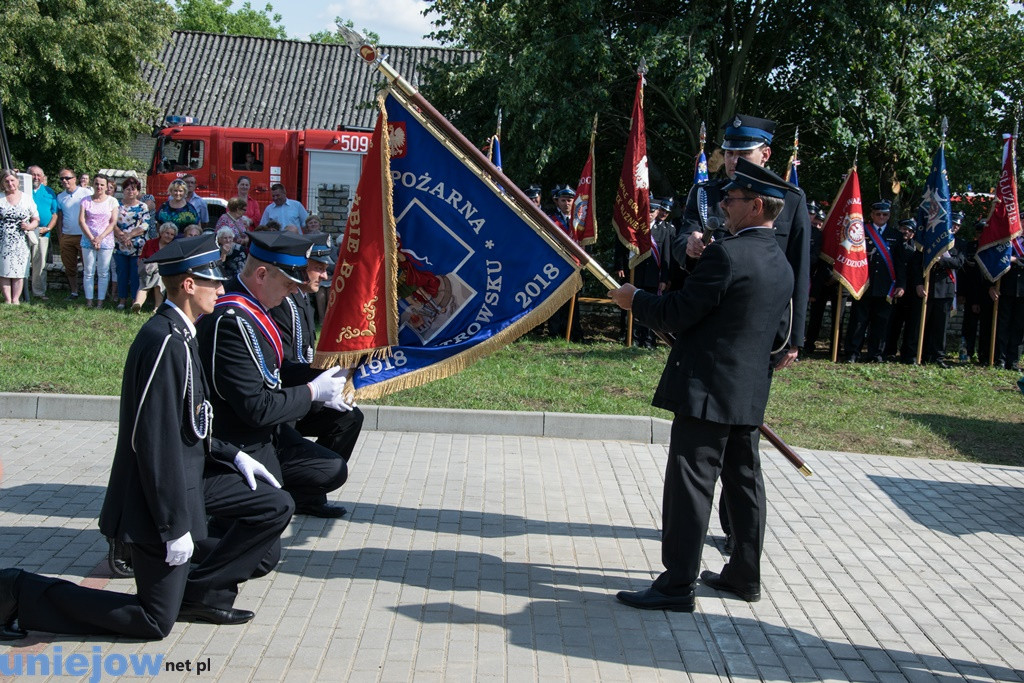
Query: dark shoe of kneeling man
x=194, y=611
x=324, y=510
x=119, y=558
x=652, y=598
x=714, y=580
x=9, y=605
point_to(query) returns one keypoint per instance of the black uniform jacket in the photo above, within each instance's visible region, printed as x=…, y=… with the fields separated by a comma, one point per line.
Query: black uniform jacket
x=155, y=492
x=252, y=393
x=878, y=270
x=726, y=319
x=941, y=283
x=294, y=318
x=792, y=231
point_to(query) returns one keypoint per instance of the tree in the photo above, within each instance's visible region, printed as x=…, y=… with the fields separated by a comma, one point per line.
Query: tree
x=71, y=90
x=336, y=38
x=872, y=76
x=215, y=16
x=901, y=67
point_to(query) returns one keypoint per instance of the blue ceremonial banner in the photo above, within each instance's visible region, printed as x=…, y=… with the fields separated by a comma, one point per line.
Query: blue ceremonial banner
x=473, y=271
x=791, y=175
x=936, y=234
x=496, y=151
x=700, y=171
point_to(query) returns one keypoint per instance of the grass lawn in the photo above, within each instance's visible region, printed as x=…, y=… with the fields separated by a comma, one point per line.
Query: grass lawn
x=964, y=413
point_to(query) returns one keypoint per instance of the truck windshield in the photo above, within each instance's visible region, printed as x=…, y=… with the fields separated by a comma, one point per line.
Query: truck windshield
x=178, y=155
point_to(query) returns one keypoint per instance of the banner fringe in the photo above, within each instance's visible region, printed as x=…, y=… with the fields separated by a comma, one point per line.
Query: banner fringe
x=461, y=361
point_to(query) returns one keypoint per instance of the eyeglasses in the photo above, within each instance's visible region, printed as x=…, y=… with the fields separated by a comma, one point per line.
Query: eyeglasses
x=729, y=200
x=67, y=177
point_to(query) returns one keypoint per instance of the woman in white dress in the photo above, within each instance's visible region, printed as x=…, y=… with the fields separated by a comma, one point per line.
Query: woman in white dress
x=18, y=216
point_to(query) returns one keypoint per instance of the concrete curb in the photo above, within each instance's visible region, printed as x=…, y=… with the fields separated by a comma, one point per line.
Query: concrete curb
x=387, y=418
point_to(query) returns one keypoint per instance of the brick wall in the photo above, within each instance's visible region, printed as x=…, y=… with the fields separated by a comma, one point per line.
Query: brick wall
x=332, y=207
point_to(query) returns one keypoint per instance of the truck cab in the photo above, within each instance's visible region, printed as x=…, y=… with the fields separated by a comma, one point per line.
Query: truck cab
x=218, y=156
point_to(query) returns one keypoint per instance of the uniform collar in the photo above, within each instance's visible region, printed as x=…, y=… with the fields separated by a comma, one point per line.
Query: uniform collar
x=188, y=323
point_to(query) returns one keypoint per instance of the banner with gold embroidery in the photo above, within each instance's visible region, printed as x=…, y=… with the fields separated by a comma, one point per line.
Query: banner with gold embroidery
x=361, y=316
x=472, y=271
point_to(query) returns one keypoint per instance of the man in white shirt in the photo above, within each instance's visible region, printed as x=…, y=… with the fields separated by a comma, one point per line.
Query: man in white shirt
x=283, y=210
x=70, y=201
x=196, y=201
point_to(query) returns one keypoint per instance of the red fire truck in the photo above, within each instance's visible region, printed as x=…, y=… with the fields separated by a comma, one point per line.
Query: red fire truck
x=301, y=160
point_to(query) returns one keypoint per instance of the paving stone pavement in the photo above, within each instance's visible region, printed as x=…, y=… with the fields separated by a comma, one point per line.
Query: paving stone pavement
x=497, y=558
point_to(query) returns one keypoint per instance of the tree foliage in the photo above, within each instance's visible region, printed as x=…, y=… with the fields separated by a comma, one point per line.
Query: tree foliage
x=71, y=88
x=335, y=37
x=869, y=79
x=215, y=16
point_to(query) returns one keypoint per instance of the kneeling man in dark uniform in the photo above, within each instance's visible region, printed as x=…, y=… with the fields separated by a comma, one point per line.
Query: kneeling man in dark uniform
x=257, y=391
x=338, y=427
x=729, y=316
x=155, y=496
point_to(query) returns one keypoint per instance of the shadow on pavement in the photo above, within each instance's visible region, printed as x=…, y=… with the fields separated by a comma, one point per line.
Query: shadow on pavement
x=53, y=500
x=955, y=507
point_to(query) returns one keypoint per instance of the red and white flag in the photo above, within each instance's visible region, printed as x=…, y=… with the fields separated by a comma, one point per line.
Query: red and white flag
x=584, y=220
x=843, y=243
x=631, y=213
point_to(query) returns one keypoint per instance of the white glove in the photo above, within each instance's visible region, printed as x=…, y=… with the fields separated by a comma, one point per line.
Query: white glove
x=343, y=402
x=328, y=384
x=180, y=550
x=251, y=468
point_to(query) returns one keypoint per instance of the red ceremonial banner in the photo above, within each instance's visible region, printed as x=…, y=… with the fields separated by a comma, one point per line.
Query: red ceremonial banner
x=631, y=214
x=1004, y=219
x=361, y=317
x=584, y=223
x=843, y=240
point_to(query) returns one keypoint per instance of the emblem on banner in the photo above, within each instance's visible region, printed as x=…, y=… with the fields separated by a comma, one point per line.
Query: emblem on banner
x=640, y=174
x=397, y=138
x=853, y=232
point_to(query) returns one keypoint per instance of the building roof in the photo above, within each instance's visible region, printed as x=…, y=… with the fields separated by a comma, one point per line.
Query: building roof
x=248, y=82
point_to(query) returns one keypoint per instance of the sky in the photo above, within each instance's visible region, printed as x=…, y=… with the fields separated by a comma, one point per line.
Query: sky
x=399, y=22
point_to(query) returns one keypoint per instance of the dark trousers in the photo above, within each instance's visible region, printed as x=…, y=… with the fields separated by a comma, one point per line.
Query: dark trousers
x=310, y=471
x=869, y=317
x=936, y=323
x=58, y=606
x=904, y=319
x=559, y=321
x=1009, y=330
x=248, y=540
x=977, y=329
x=335, y=430
x=815, y=316
x=700, y=451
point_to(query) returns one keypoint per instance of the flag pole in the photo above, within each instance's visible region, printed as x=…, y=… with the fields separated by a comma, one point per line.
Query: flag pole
x=515, y=195
x=928, y=269
x=837, y=318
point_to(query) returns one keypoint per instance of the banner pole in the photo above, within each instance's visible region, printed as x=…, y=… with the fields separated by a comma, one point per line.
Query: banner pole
x=992, y=338
x=512, y=190
x=568, y=322
x=924, y=310
x=837, y=319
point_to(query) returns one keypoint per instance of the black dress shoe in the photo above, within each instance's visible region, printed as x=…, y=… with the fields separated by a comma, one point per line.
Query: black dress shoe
x=714, y=580
x=942, y=363
x=325, y=510
x=213, y=615
x=119, y=559
x=651, y=598
x=9, y=605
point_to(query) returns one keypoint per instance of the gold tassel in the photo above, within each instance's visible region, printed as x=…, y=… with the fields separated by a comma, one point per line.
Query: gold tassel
x=461, y=361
